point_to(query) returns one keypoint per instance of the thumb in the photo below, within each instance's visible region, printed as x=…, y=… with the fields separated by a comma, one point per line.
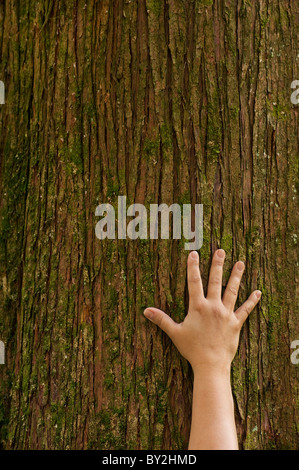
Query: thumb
x=161, y=319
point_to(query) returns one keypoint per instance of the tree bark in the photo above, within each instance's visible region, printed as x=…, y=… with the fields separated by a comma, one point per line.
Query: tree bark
x=184, y=101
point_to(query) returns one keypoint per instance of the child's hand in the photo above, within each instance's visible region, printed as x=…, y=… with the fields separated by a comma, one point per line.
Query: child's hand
x=208, y=337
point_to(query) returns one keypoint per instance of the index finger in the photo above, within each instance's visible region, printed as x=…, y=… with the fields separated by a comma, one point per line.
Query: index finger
x=194, y=279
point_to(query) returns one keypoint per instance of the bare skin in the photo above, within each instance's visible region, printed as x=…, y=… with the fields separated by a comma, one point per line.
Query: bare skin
x=208, y=338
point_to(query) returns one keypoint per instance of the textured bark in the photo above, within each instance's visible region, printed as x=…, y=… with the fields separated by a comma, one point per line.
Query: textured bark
x=168, y=101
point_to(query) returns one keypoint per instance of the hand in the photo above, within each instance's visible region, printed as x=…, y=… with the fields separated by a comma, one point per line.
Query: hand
x=208, y=337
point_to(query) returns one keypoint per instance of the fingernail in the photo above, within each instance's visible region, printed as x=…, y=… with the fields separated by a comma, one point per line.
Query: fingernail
x=149, y=314
x=220, y=253
x=258, y=293
x=194, y=255
x=240, y=266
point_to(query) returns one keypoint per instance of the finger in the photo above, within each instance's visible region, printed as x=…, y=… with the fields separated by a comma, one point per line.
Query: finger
x=231, y=292
x=245, y=309
x=215, y=277
x=162, y=320
x=194, y=279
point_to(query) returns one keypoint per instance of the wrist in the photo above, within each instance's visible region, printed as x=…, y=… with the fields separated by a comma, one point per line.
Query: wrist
x=212, y=370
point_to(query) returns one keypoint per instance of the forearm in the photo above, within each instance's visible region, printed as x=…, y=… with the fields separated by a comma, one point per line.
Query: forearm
x=213, y=424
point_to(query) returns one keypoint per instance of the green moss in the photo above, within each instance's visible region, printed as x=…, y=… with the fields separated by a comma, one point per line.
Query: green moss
x=214, y=129
x=109, y=380
x=166, y=137
x=226, y=242
x=205, y=3
x=151, y=148
x=154, y=6
x=112, y=186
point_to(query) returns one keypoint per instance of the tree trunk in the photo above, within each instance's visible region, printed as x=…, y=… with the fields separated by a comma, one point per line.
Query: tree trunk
x=184, y=101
